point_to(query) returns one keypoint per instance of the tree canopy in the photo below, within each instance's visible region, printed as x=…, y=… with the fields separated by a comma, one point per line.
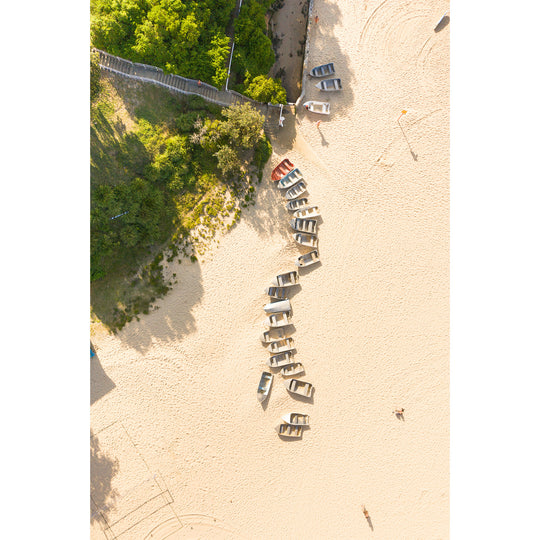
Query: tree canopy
x=188, y=38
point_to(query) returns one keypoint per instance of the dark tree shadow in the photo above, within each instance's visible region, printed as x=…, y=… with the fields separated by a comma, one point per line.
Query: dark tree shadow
x=102, y=471
x=100, y=383
x=172, y=324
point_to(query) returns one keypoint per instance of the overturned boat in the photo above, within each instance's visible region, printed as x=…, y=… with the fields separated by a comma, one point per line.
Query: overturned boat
x=278, y=307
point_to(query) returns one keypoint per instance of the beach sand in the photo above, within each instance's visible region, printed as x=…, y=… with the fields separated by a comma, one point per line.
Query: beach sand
x=181, y=447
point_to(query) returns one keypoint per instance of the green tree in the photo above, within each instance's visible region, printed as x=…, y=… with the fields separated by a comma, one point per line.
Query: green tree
x=266, y=90
x=243, y=125
x=227, y=159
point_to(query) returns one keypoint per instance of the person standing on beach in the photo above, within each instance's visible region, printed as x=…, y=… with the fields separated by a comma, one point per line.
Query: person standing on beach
x=399, y=411
x=366, y=513
x=318, y=124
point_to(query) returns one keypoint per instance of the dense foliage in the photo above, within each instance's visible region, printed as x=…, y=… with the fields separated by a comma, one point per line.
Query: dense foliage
x=160, y=166
x=188, y=38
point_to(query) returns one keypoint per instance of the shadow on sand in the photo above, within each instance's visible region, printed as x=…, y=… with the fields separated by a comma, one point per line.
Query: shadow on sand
x=102, y=471
x=168, y=325
x=100, y=383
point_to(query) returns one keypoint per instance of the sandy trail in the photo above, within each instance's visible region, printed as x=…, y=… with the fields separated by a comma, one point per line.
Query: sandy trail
x=371, y=325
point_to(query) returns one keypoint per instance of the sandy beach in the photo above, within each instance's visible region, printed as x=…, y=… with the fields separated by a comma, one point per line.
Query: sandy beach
x=181, y=448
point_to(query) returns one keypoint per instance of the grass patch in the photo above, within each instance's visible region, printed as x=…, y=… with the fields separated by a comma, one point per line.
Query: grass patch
x=157, y=195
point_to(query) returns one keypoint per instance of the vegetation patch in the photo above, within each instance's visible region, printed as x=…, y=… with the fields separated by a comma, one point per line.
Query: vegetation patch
x=189, y=38
x=167, y=173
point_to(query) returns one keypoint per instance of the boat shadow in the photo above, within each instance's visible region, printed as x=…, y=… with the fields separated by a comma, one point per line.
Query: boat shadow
x=303, y=399
x=443, y=23
x=305, y=270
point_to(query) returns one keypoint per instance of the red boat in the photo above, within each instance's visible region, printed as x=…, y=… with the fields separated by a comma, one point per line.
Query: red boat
x=282, y=169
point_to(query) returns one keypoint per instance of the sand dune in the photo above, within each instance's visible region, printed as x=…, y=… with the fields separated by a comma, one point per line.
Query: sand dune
x=183, y=448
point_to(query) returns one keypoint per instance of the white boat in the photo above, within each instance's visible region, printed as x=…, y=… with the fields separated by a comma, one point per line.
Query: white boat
x=292, y=369
x=290, y=179
x=281, y=293
x=287, y=430
x=264, y=386
x=275, y=334
x=309, y=258
x=297, y=204
x=280, y=360
x=304, y=225
x=309, y=212
x=286, y=280
x=302, y=388
x=323, y=70
x=276, y=320
x=281, y=345
x=278, y=307
x=296, y=190
x=296, y=419
x=318, y=107
x=329, y=85
x=304, y=239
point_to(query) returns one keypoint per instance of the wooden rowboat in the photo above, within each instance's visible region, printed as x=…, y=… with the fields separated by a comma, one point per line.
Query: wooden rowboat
x=329, y=85
x=290, y=179
x=296, y=190
x=309, y=258
x=276, y=320
x=281, y=345
x=264, y=386
x=281, y=170
x=286, y=280
x=292, y=369
x=309, y=212
x=281, y=293
x=275, y=334
x=304, y=225
x=302, y=388
x=287, y=430
x=297, y=204
x=296, y=419
x=278, y=307
x=323, y=70
x=304, y=239
x=318, y=107
x=280, y=360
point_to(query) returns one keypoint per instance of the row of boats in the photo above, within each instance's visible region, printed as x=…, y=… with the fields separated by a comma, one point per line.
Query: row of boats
x=325, y=85
x=278, y=338
x=289, y=179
